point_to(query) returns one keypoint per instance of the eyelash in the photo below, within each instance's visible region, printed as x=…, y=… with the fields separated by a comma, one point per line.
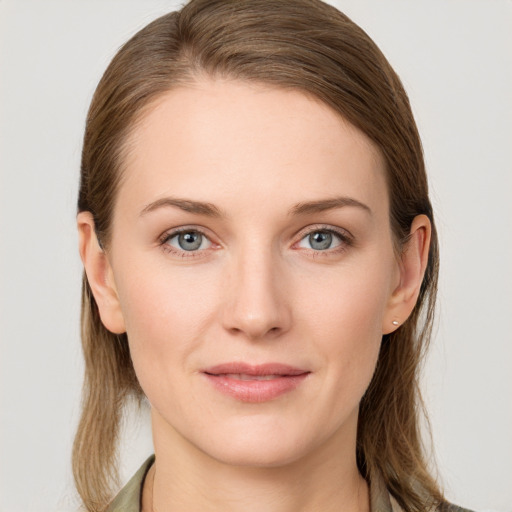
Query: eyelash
x=169, y=235
x=345, y=238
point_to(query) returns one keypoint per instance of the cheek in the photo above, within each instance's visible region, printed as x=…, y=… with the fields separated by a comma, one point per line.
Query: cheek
x=166, y=313
x=349, y=303
x=346, y=311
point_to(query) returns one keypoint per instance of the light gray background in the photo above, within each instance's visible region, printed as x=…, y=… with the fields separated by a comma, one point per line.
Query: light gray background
x=455, y=58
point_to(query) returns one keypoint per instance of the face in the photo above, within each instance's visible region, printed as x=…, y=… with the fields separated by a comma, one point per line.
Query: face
x=253, y=262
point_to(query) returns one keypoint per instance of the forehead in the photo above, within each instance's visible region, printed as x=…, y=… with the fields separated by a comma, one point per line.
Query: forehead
x=221, y=140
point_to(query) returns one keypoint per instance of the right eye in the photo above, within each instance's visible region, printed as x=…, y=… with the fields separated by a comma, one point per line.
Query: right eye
x=188, y=240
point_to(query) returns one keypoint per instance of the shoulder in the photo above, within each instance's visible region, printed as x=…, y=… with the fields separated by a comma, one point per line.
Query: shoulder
x=448, y=507
x=129, y=498
x=444, y=507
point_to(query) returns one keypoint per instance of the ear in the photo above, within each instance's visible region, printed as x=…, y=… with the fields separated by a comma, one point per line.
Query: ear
x=412, y=264
x=99, y=274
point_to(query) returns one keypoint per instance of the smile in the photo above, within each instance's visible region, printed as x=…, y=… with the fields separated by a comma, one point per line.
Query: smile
x=243, y=376
x=255, y=384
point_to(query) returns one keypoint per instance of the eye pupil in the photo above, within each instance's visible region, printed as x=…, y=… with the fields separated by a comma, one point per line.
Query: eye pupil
x=190, y=241
x=320, y=240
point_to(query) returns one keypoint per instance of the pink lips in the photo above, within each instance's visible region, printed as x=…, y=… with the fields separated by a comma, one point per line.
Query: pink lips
x=258, y=383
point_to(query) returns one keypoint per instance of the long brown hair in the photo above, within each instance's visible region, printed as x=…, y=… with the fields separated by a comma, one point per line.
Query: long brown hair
x=304, y=45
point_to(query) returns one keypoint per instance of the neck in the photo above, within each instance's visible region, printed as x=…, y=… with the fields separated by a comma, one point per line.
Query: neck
x=184, y=478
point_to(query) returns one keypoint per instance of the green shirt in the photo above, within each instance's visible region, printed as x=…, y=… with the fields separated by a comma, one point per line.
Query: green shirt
x=129, y=499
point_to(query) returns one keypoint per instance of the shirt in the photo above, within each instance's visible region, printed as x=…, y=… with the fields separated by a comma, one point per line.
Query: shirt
x=129, y=498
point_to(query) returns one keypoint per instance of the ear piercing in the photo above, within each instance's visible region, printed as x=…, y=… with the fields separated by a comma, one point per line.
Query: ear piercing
x=395, y=322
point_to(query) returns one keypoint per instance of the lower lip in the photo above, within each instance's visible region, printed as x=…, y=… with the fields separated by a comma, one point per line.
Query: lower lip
x=256, y=391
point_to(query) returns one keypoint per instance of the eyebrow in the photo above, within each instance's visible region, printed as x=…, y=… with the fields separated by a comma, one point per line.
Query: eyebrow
x=322, y=205
x=210, y=210
x=187, y=205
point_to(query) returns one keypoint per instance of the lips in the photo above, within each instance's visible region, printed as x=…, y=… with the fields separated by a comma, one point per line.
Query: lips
x=259, y=383
x=260, y=370
x=244, y=376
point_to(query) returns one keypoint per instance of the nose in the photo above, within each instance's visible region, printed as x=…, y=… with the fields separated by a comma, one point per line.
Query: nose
x=256, y=305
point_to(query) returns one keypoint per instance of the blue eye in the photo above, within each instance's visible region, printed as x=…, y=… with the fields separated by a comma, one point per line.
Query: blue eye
x=321, y=240
x=188, y=241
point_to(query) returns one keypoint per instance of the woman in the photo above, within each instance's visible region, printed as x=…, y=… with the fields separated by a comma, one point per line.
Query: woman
x=261, y=264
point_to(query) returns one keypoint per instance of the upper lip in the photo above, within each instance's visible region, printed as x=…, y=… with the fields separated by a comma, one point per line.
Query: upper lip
x=254, y=370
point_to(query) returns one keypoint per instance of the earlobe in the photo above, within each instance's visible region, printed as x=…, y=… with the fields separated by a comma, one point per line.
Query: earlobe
x=413, y=262
x=99, y=274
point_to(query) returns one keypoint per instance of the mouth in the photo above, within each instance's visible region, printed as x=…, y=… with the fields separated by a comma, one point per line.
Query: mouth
x=244, y=376
x=260, y=383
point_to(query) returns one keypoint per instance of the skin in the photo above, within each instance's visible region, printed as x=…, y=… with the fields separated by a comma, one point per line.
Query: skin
x=256, y=290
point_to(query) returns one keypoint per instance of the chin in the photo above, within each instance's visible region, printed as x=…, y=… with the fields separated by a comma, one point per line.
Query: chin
x=259, y=454
x=261, y=444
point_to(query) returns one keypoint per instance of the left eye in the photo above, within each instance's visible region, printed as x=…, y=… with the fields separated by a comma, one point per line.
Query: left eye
x=321, y=240
x=188, y=241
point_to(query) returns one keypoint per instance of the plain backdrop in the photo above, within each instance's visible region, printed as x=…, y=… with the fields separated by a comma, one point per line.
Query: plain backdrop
x=455, y=58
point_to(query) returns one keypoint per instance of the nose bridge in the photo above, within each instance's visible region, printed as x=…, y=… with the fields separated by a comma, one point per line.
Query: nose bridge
x=256, y=305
